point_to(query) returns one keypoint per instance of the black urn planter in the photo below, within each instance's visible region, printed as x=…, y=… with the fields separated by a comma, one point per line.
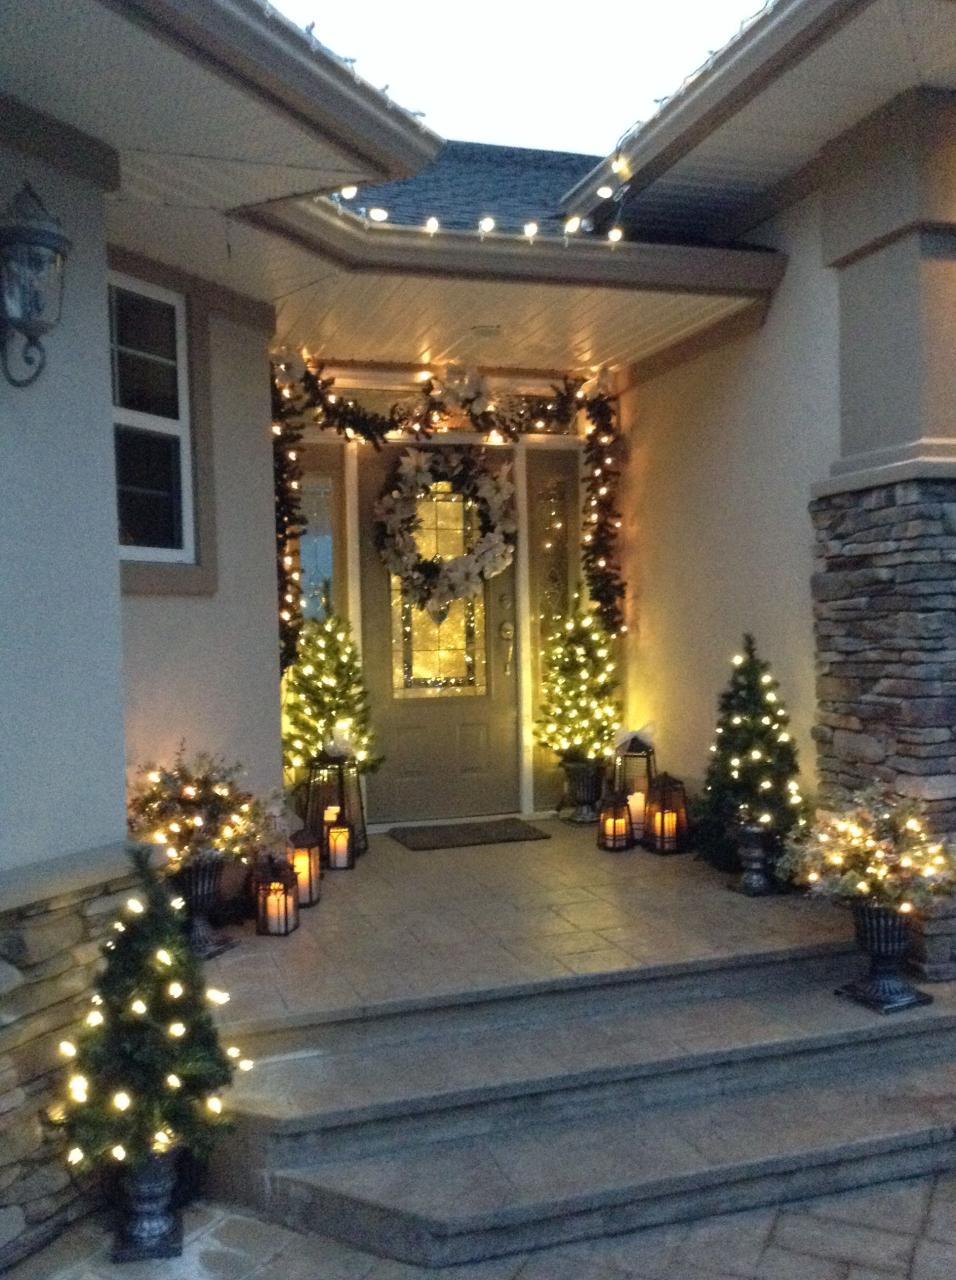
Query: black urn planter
x=584, y=783
x=881, y=934
x=148, y=1226
x=199, y=882
x=756, y=861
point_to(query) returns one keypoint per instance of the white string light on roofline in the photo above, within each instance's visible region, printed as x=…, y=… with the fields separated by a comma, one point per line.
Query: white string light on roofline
x=530, y=230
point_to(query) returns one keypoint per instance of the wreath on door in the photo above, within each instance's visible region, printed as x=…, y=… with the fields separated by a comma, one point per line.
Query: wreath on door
x=433, y=583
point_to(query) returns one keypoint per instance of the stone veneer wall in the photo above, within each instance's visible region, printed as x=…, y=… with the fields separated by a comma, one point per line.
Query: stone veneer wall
x=50, y=955
x=884, y=595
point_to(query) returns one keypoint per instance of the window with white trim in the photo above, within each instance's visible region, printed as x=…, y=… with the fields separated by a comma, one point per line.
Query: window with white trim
x=154, y=482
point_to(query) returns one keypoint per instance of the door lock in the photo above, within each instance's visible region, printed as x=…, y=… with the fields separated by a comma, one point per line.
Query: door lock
x=507, y=633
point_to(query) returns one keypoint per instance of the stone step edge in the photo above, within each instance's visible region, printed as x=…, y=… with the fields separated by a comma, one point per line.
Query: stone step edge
x=716, y=1189
x=574, y=982
x=921, y=1023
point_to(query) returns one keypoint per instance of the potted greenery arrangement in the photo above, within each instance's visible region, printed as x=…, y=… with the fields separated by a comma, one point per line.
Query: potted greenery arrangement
x=580, y=717
x=879, y=859
x=195, y=810
x=146, y=1070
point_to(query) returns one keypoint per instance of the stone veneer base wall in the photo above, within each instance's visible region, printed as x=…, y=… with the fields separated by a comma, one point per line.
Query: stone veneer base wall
x=884, y=594
x=50, y=957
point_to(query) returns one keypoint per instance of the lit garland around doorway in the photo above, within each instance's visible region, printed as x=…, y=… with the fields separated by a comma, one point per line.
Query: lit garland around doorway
x=302, y=396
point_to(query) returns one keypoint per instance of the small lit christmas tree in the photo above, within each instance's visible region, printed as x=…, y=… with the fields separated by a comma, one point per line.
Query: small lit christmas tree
x=580, y=716
x=753, y=771
x=147, y=1070
x=325, y=702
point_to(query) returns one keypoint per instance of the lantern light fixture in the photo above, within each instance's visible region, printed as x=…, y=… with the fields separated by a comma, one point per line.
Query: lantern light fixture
x=277, y=897
x=305, y=854
x=33, y=253
x=614, y=823
x=665, y=818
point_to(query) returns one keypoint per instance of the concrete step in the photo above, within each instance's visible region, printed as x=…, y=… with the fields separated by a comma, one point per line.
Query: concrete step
x=306, y=1108
x=469, y=1199
x=366, y=1028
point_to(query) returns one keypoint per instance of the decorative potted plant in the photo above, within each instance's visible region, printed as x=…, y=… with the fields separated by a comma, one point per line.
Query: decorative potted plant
x=146, y=1070
x=580, y=717
x=879, y=859
x=195, y=810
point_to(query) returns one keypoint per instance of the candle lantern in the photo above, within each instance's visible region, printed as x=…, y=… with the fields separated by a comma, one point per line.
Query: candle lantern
x=277, y=897
x=634, y=773
x=305, y=854
x=665, y=819
x=614, y=823
x=340, y=843
x=334, y=782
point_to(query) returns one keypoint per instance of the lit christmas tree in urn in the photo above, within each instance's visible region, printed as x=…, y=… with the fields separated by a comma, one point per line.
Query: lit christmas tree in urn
x=753, y=775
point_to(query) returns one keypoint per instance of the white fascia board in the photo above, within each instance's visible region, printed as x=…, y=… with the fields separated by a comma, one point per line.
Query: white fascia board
x=399, y=250
x=253, y=44
x=776, y=41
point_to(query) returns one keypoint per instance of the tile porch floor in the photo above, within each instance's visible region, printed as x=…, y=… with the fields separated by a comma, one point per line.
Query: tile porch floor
x=898, y=1231
x=406, y=926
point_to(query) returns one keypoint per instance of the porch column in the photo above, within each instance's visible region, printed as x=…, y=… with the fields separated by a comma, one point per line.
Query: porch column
x=885, y=524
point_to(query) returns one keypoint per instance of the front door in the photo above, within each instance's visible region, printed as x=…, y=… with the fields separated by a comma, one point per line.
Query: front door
x=444, y=696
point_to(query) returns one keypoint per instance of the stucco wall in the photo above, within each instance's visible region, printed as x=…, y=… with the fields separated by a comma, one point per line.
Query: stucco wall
x=724, y=450
x=204, y=669
x=61, y=750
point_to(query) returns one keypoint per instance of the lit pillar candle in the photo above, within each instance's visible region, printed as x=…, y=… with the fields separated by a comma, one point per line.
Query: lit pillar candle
x=635, y=807
x=665, y=828
x=615, y=827
x=340, y=847
x=275, y=908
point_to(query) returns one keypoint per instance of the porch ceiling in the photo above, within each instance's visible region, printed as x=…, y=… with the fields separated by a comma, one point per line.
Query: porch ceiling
x=650, y=300
x=208, y=103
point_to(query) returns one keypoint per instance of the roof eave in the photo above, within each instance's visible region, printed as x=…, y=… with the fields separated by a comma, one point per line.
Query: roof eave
x=777, y=40
x=346, y=240
x=255, y=46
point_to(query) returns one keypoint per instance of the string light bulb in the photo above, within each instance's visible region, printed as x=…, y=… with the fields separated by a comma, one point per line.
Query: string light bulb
x=530, y=230
x=486, y=224
x=432, y=225
x=349, y=192
x=573, y=225
x=615, y=235
x=604, y=192
x=378, y=214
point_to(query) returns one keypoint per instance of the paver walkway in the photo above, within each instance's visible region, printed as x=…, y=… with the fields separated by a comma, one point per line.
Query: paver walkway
x=406, y=925
x=898, y=1231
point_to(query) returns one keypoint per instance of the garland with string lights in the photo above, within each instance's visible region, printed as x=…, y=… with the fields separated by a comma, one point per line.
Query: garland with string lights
x=303, y=395
x=290, y=524
x=147, y=1069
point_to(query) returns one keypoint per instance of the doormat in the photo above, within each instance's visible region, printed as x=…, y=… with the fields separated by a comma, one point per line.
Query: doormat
x=459, y=835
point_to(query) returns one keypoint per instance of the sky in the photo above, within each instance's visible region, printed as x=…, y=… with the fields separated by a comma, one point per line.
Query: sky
x=561, y=76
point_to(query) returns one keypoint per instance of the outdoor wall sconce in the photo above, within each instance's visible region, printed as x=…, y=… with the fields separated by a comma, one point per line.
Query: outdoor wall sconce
x=33, y=252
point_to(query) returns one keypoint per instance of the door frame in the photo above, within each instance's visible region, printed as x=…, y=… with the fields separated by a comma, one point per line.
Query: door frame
x=518, y=449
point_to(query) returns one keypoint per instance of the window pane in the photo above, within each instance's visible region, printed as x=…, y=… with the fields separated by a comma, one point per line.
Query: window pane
x=144, y=324
x=146, y=385
x=149, y=489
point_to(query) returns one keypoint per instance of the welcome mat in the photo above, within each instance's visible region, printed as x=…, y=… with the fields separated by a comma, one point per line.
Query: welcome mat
x=459, y=835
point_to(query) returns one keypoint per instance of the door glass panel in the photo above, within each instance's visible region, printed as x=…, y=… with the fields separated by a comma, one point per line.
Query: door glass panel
x=315, y=545
x=447, y=658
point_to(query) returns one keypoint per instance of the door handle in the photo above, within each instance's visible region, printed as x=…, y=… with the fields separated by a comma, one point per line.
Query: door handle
x=507, y=633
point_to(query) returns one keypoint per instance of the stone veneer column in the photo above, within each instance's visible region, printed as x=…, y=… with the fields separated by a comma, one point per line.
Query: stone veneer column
x=884, y=595
x=885, y=618
x=50, y=955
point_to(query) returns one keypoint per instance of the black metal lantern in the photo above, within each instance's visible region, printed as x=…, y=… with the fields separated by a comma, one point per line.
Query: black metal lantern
x=334, y=782
x=634, y=774
x=340, y=845
x=665, y=819
x=305, y=854
x=614, y=823
x=33, y=253
x=277, y=898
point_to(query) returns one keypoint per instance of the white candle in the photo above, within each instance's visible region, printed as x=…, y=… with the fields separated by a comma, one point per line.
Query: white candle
x=665, y=828
x=339, y=847
x=635, y=807
x=302, y=866
x=614, y=827
x=331, y=814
